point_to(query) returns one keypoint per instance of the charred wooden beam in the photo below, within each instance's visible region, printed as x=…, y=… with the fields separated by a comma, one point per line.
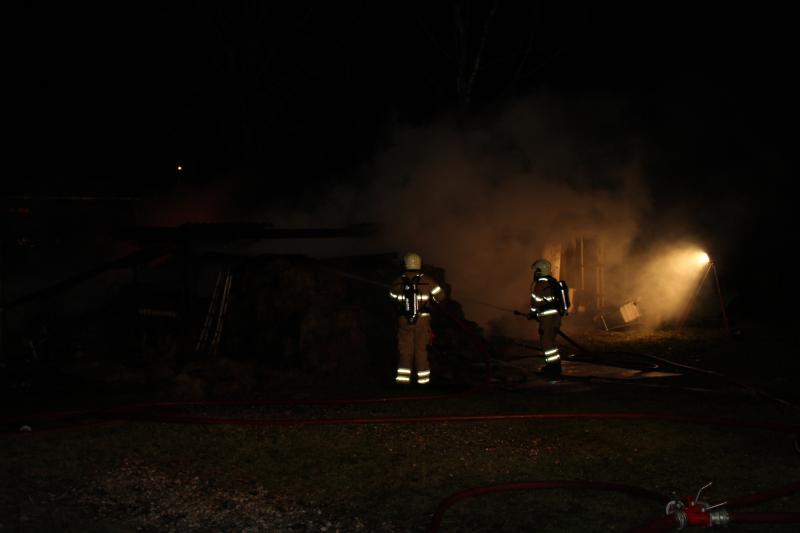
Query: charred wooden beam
x=230, y=232
x=130, y=260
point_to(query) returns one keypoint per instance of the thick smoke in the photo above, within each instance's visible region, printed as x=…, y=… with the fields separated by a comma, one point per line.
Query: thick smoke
x=483, y=201
x=666, y=277
x=480, y=200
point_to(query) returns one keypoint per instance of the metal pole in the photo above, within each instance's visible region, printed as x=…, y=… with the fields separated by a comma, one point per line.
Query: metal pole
x=695, y=296
x=721, y=301
x=223, y=307
x=210, y=315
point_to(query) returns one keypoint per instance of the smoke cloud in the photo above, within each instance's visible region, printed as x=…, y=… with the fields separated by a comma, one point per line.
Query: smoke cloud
x=483, y=201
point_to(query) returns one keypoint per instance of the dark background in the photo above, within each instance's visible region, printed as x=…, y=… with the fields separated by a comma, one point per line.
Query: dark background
x=283, y=100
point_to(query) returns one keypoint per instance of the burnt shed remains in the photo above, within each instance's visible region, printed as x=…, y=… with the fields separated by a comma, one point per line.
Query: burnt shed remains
x=202, y=322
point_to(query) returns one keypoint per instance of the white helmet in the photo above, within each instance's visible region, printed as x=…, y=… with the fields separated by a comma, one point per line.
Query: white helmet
x=413, y=261
x=541, y=267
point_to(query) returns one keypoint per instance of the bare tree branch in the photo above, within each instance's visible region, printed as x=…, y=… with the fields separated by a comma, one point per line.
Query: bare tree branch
x=430, y=35
x=477, y=62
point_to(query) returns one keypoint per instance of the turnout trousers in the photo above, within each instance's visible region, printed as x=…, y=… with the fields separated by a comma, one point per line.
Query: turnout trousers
x=412, y=342
x=547, y=335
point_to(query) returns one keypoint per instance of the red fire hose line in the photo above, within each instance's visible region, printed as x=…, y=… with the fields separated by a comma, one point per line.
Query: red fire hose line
x=149, y=405
x=445, y=418
x=533, y=485
x=664, y=524
x=759, y=497
x=677, y=365
x=120, y=415
x=123, y=412
x=670, y=522
x=632, y=366
x=764, y=518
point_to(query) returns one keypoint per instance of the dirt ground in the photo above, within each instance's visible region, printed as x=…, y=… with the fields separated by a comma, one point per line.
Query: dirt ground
x=153, y=476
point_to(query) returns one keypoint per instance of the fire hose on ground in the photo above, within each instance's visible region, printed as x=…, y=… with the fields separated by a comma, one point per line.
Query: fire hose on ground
x=679, y=515
x=677, y=365
x=692, y=510
x=641, y=366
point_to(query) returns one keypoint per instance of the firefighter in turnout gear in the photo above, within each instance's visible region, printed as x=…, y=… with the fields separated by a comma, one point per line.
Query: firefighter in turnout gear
x=412, y=291
x=545, y=310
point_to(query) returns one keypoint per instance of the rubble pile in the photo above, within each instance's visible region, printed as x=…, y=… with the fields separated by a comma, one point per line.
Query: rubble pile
x=330, y=321
x=291, y=314
x=291, y=325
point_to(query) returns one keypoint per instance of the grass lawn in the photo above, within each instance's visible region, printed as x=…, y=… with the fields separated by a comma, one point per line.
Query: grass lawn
x=391, y=477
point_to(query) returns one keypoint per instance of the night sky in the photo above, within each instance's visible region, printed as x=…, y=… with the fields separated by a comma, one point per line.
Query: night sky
x=282, y=101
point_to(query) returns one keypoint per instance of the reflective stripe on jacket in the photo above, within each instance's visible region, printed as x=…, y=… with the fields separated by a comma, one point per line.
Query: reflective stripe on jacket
x=542, y=297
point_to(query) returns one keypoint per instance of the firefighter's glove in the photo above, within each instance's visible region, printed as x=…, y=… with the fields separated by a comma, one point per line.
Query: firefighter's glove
x=532, y=316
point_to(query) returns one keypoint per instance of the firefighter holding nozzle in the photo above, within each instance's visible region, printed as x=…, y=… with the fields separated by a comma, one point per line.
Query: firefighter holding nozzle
x=412, y=291
x=549, y=302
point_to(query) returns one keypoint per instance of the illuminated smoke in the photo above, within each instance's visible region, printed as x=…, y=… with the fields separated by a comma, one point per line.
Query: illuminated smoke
x=482, y=202
x=667, y=278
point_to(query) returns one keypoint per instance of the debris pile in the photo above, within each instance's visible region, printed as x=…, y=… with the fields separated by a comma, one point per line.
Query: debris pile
x=331, y=321
x=289, y=324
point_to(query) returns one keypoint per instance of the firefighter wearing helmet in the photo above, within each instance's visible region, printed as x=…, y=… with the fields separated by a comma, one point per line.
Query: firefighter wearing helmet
x=412, y=291
x=545, y=310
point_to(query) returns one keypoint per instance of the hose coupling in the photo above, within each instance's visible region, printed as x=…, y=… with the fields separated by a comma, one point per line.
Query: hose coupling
x=696, y=512
x=681, y=516
x=719, y=517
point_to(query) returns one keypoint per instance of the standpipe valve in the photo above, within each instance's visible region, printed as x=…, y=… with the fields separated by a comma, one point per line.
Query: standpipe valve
x=696, y=512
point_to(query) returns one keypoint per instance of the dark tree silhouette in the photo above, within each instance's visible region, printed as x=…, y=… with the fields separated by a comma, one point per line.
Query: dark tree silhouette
x=475, y=51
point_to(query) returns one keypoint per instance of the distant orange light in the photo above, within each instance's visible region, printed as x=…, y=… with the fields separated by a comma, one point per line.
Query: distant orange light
x=180, y=168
